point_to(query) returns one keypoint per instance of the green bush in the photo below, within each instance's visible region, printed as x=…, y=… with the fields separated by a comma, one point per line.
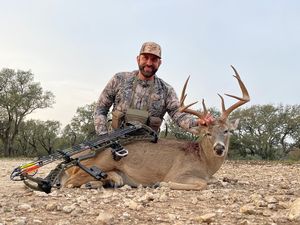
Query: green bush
x=294, y=155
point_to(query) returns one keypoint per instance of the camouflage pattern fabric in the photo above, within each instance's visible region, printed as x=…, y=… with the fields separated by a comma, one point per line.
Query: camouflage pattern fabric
x=118, y=93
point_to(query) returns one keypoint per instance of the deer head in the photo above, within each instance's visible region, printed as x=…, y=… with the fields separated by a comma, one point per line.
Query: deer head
x=216, y=134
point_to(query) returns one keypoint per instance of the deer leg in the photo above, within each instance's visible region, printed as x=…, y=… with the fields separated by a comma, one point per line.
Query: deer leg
x=188, y=184
x=76, y=177
x=83, y=180
x=93, y=184
x=113, y=179
x=77, y=180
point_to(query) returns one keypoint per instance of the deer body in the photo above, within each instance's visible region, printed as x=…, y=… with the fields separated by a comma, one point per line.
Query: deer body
x=170, y=161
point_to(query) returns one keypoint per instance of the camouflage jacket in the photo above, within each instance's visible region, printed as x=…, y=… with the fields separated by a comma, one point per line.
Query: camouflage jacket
x=118, y=93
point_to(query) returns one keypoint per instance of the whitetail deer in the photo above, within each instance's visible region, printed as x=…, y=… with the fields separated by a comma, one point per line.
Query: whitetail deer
x=182, y=165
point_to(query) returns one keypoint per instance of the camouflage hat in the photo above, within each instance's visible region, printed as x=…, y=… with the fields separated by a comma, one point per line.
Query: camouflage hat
x=151, y=48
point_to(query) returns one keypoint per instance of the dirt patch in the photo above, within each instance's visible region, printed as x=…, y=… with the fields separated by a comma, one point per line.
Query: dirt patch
x=244, y=193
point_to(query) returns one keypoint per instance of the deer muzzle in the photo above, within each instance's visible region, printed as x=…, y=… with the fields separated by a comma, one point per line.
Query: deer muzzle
x=219, y=149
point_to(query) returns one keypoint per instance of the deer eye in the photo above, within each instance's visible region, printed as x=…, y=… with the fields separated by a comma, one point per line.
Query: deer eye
x=226, y=131
x=208, y=134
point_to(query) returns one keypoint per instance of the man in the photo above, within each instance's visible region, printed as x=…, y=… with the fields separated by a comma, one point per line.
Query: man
x=141, y=95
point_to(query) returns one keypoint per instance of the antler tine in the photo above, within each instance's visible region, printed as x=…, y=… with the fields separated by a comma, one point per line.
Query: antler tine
x=222, y=102
x=184, y=108
x=204, y=107
x=183, y=94
x=242, y=100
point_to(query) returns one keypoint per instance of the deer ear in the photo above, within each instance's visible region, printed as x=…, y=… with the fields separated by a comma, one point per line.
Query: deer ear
x=234, y=124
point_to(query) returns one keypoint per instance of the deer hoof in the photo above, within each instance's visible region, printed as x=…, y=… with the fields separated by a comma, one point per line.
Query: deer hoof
x=92, y=185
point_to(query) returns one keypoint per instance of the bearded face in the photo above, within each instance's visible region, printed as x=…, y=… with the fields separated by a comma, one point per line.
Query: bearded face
x=147, y=71
x=148, y=64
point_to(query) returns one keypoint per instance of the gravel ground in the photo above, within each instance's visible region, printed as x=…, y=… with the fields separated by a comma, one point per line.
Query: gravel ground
x=245, y=193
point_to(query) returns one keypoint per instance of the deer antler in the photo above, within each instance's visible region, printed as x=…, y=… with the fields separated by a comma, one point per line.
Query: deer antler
x=186, y=109
x=242, y=100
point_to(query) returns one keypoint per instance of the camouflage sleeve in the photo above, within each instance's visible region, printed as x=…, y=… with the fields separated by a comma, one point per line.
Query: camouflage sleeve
x=184, y=120
x=103, y=105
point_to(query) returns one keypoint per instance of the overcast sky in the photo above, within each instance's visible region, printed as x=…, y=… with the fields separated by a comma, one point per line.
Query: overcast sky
x=74, y=47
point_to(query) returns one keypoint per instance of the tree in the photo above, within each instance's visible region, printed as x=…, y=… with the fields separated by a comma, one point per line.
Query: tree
x=27, y=143
x=83, y=122
x=69, y=136
x=35, y=137
x=48, y=134
x=290, y=126
x=19, y=96
x=267, y=131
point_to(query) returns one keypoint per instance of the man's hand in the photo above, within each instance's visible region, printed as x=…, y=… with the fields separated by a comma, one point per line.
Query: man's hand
x=206, y=120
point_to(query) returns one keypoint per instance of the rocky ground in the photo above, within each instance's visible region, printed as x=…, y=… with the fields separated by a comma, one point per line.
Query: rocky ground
x=246, y=193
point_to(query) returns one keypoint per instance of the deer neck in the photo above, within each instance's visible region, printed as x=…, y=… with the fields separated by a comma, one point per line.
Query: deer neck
x=212, y=161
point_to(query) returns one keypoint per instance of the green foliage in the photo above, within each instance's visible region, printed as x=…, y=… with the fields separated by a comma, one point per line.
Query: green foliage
x=267, y=131
x=69, y=137
x=294, y=155
x=19, y=96
x=82, y=124
x=37, y=138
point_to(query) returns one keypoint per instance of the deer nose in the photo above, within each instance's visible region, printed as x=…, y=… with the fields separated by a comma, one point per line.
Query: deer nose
x=219, y=148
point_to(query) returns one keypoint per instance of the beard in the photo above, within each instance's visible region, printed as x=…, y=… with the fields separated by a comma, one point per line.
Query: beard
x=147, y=74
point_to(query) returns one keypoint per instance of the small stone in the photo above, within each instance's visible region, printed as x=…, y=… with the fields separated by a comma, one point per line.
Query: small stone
x=224, y=184
x=172, y=216
x=10, y=219
x=266, y=213
x=255, y=197
x=283, y=205
x=63, y=222
x=132, y=205
x=125, y=187
x=207, y=218
x=194, y=200
x=40, y=194
x=28, y=193
x=20, y=221
x=248, y=209
x=77, y=212
x=54, y=194
x=272, y=206
x=163, y=197
x=244, y=222
x=243, y=182
x=68, y=208
x=51, y=206
x=126, y=215
x=81, y=199
x=104, y=218
x=271, y=199
x=24, y=207
x=37, y=221
x=260, y=203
